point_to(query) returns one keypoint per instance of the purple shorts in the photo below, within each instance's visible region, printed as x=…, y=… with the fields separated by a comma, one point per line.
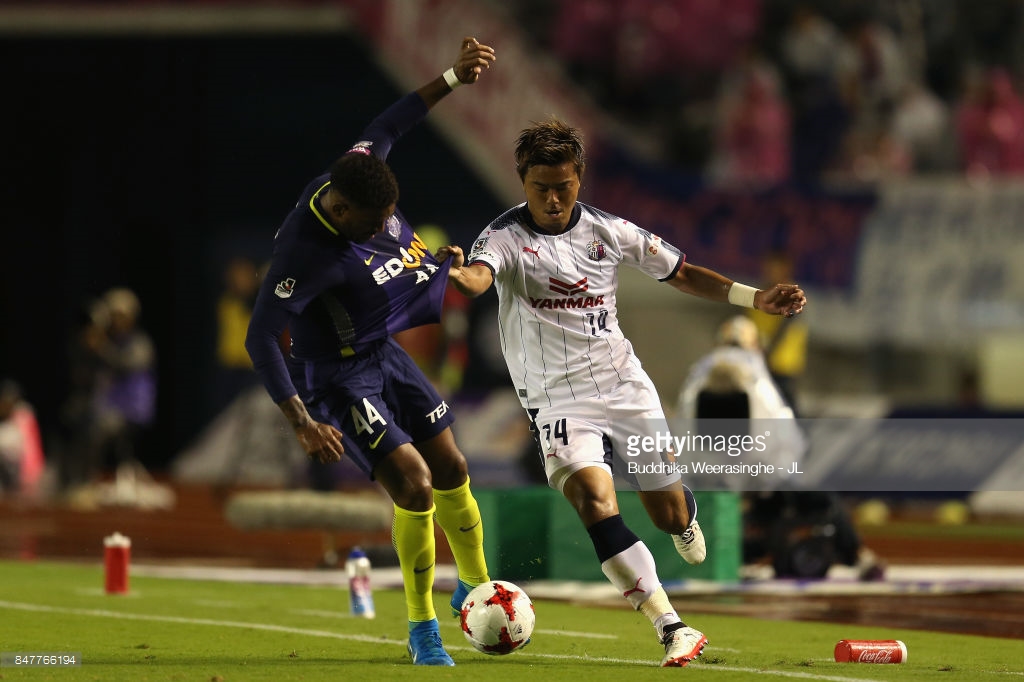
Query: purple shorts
x=379, y=399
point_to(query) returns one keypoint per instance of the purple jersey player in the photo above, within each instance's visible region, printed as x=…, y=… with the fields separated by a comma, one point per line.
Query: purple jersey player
x=347, y=272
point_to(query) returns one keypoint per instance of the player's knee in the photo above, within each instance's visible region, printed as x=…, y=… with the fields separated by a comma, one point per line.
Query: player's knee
x=447, y=464
x=451, y=472
x=407, y=481
x=593, y=509
x=415, y=493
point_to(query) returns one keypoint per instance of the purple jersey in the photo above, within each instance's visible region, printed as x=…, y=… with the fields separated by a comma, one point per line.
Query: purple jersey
x=339, y=298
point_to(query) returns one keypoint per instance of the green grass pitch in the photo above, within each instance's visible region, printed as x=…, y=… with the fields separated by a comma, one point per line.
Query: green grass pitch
x=168, y=630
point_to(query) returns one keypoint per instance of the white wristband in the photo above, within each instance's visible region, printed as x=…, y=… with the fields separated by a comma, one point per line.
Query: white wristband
x=742, y=295
x=451, y=79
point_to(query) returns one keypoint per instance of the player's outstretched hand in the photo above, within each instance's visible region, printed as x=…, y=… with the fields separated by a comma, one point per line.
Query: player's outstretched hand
x=321, y=442
x=474, y=58
x=781, y=299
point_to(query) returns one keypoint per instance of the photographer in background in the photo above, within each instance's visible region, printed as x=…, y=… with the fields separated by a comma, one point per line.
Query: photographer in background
x=802, y=533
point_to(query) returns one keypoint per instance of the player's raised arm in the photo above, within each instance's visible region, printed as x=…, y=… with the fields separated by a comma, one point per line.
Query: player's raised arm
x=473, y=59
x=399, y=118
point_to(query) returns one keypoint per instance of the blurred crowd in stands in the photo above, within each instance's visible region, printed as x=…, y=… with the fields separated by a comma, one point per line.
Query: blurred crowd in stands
x=763, y=91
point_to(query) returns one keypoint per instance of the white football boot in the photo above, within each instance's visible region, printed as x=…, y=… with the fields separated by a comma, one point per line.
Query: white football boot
x=690, y=543
x=682, y=646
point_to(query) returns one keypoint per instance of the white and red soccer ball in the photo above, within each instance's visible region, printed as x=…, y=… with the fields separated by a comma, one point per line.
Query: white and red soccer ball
x=497, y=617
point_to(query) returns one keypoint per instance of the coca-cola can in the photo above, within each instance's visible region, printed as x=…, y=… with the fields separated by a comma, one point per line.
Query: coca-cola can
x=870, y=651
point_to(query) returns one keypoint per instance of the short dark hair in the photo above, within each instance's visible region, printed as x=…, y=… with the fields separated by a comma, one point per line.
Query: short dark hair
x=549, y=143
x=364, y=180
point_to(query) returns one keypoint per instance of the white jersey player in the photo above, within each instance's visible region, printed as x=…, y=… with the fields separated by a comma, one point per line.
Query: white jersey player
x=555, y=264
x=557, y=300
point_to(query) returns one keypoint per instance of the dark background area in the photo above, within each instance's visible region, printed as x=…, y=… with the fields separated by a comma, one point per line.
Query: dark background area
x=146, y=163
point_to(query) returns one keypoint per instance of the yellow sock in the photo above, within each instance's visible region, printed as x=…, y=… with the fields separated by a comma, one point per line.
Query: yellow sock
x=459, y=518
x=412, y=534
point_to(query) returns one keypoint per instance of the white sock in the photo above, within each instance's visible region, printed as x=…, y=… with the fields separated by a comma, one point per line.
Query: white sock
x=633, y=573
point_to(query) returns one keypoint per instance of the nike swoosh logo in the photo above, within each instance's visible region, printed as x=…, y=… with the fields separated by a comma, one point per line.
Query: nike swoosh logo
x=370, y=259
x=375, y=443
x=466, y=530
x=423, y=570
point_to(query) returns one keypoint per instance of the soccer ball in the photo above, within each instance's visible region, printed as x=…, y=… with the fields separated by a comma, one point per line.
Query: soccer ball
x=497, y=618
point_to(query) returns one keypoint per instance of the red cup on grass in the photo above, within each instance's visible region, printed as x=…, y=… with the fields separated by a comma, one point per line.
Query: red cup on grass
x=117, y=551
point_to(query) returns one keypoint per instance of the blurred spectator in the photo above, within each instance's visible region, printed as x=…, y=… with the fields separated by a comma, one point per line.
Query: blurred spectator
x=117, y=356
x=990, y=125
x=809, y=66
x=872, y=71
x=921, y=125
x=872, y=155
x=753, y=136
x=234, y=308
x=21, y=447
x=77, y=412
x=808, y=44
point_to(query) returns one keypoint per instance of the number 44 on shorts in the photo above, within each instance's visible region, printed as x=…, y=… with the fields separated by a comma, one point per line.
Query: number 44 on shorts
x=365, y=420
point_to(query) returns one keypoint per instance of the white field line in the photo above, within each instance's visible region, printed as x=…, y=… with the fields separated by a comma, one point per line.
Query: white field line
x=270, y=627
x=453, y=624
x=780, y=673
x=216, y=603
x=1003, y=672
x=321, y=614
x=368, y=639
x=542, y=631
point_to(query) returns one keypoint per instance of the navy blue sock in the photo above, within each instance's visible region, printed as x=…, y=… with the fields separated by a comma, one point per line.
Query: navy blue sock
x=611, y=536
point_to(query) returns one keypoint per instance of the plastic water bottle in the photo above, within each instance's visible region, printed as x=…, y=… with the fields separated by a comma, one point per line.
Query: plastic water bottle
x=357, y=565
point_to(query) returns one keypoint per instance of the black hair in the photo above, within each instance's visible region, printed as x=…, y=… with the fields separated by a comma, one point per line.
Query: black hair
x=549, y=143
x=364, y=180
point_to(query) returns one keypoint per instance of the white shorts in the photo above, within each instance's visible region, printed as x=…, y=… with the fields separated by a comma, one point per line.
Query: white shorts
x=606, y=432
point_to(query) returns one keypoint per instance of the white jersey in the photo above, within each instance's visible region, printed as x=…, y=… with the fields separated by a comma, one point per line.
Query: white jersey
x=557, y=312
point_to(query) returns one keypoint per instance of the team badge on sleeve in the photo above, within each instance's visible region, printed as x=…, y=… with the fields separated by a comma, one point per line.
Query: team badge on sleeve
x=285, y=288
x=478, y=247
x=394, y=226
x=653, y=248
x=596, y=250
